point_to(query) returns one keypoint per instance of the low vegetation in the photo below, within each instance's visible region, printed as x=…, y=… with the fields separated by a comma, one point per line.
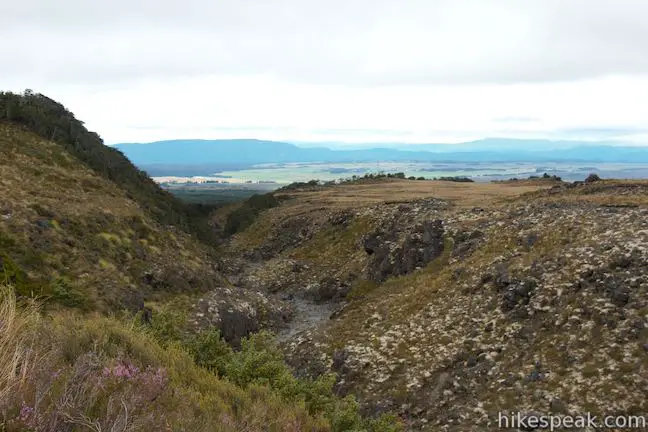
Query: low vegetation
x=78, y=240
x=458, y=179
x=301, y=185
x=86, y=241
x=536, y=304
x=368, y=179
x=445, y=302
x=68, y=372
x=244, y=215
x=543, y=177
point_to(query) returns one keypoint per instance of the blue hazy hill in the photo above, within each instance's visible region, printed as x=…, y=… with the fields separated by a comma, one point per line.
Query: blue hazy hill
x=245, y=152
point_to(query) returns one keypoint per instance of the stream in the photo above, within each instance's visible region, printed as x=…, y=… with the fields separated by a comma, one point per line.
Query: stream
x=307, y=314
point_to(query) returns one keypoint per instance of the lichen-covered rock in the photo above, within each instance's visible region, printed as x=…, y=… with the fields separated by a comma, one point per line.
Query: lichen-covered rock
x=538, y=304
x=400, y=250
x=237, y=312
x=544, y=311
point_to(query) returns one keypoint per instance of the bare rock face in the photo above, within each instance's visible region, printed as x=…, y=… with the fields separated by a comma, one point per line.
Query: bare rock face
x=288, y=234
x=237, y=312
x=395, y=253
x=466, y=242
x=328, y=289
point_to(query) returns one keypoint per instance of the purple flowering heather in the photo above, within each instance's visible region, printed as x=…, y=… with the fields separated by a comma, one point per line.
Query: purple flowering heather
x=26, y=413
x=127, y=371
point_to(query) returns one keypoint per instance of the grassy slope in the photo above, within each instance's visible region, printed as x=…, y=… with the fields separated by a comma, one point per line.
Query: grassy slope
x=52, y=121
x=68, y=233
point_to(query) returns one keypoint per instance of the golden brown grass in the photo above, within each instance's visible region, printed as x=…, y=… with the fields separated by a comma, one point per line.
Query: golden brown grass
x=462, y=194
x=17, y=336
x=255, y=234
x=615, y=192
x=318, y=204
x=60, y=219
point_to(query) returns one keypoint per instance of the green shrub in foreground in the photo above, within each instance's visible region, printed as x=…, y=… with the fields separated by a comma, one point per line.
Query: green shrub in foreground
x=260, y=362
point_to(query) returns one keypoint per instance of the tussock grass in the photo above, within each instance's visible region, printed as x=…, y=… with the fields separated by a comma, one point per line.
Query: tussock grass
x=70, y=222
x=17, y=336
x=609, y=192
x=354, y=196
x=325, y=247
x=254, y=235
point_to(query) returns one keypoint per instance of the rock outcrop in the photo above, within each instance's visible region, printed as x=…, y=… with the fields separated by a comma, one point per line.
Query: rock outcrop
x=237, y=312
x=394, y=253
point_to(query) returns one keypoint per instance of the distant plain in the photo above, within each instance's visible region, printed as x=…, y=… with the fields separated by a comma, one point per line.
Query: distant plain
x=231, y=185
x=285, y=173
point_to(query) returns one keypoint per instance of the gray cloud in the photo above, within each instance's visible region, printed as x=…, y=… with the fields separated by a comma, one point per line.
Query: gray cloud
x=351, y=42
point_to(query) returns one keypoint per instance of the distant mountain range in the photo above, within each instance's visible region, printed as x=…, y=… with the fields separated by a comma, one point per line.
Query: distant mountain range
x=202, y=155
x=496, y=144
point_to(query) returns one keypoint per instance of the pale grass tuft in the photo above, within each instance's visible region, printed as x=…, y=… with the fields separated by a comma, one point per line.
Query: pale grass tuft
x=17, y=336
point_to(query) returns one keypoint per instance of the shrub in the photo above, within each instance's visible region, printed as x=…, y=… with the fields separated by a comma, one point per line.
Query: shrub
x=260, y=362
x=210, y=351
x=245, y=215
x=593, y=177
x=96, y=373
x=545, y=176
x=12, y=274
x=166, y=326
x=458, y=179
x=64, y=293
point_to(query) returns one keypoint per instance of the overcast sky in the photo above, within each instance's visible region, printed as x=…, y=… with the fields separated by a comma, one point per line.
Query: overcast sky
x=336, y=70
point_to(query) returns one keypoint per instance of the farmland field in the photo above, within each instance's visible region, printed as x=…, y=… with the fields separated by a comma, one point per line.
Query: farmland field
x=481, y=172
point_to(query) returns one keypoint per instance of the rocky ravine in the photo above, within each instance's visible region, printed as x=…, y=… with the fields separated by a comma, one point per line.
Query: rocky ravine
x=450, y=315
